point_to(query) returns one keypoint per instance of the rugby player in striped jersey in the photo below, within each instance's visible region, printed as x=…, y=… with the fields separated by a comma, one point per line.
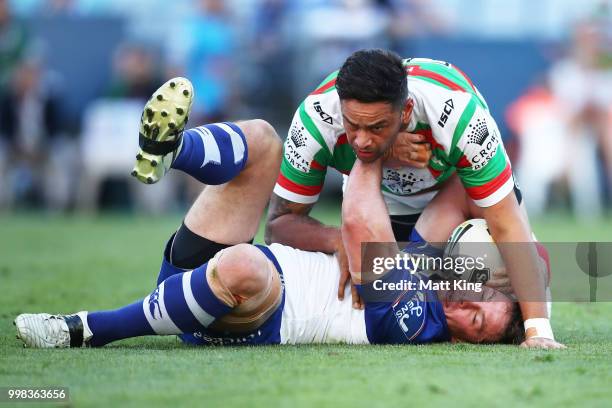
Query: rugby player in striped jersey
x=367, y=111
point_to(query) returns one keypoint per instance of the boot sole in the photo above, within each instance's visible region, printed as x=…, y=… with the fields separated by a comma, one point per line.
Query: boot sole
x=163, y=118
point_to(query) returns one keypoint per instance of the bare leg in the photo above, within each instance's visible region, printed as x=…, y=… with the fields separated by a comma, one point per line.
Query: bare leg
x=230, y=213
x=238, y=289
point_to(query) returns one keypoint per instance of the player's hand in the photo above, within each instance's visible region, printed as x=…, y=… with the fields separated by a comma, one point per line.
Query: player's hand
x=409, y=150
x=500, y=281
x=345, y=276
x=542, y=343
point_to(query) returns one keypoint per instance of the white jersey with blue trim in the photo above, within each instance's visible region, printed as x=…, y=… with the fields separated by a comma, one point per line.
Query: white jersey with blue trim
x=313, y=314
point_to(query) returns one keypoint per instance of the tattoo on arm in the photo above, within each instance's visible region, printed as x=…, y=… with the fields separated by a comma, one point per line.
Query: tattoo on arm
x=279, y=207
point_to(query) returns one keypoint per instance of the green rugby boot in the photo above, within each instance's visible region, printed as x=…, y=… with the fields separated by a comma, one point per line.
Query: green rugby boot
x=161, y=129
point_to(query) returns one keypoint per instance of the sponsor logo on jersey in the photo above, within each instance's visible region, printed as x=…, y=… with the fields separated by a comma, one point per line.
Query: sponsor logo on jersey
x=324, y=116
x=154, y=304
x=401, y=182
x=296, y=148
x=228, y=341
x=447, y=109
x=480, y=275
x=485, y=141
x=410, y=315
x=478, y=132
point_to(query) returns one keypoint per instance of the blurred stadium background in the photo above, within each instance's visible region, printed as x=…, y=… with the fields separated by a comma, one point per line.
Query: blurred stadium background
x=77, y=231
x=74, y=75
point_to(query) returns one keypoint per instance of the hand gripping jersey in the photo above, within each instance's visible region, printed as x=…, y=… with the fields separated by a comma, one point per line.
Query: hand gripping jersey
x=448, y=110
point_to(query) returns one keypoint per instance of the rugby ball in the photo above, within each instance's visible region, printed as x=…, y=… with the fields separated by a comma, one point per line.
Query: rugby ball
x=472, y=240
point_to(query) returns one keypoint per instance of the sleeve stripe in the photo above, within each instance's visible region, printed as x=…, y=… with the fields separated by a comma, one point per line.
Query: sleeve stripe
x=415, y=70
x=498, y=195
x=435, y=173
x=324, y=87
x=293, y=197
x=480, y=192
x=463, y=162
x=469, y=81
x=495, y=166
x=298, y=188
x=312, y=128
x=315, y=165
x=464, y=120
x=313, y=177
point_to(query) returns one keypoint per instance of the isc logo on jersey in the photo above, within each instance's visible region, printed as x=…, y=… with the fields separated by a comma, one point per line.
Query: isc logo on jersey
x=482, y=141
x=447, y=109
x=325, y=117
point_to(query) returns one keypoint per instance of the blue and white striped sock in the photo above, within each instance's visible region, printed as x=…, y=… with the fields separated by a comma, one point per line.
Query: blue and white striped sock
x=183, y=303
x=213, y=154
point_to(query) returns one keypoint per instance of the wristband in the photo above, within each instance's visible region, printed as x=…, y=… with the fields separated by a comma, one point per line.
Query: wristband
x=539, y=327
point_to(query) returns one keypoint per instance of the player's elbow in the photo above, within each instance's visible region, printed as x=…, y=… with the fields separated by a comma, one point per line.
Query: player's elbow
x=271, y=230
x=275, y=223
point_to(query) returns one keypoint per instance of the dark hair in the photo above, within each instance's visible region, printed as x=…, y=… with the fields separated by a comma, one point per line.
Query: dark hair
x=515, y=332
x=373, y=75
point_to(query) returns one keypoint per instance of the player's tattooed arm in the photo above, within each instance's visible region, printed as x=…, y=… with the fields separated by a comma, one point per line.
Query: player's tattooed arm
x=290, y=223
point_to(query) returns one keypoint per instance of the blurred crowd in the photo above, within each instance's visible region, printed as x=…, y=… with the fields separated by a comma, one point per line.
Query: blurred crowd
x=563, y=125
x=67, y=128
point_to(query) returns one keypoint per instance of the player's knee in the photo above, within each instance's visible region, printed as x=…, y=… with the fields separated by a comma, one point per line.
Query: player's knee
x=269, y=143
x=266, y=133
x=243, y=270
x=265, y=145
x=249, y=284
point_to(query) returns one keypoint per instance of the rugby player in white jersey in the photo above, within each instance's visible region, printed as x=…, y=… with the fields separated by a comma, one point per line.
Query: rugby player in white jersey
x=238, y=293
x=365, y=111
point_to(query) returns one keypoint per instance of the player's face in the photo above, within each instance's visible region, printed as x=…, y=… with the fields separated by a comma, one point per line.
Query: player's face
x=477, y=317
x=371, y=128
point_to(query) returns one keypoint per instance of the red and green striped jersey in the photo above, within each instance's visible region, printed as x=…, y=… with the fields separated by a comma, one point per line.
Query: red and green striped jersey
x=448, y=110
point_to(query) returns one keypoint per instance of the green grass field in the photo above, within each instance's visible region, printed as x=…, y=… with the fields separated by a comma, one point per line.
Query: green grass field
x=62, y=265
